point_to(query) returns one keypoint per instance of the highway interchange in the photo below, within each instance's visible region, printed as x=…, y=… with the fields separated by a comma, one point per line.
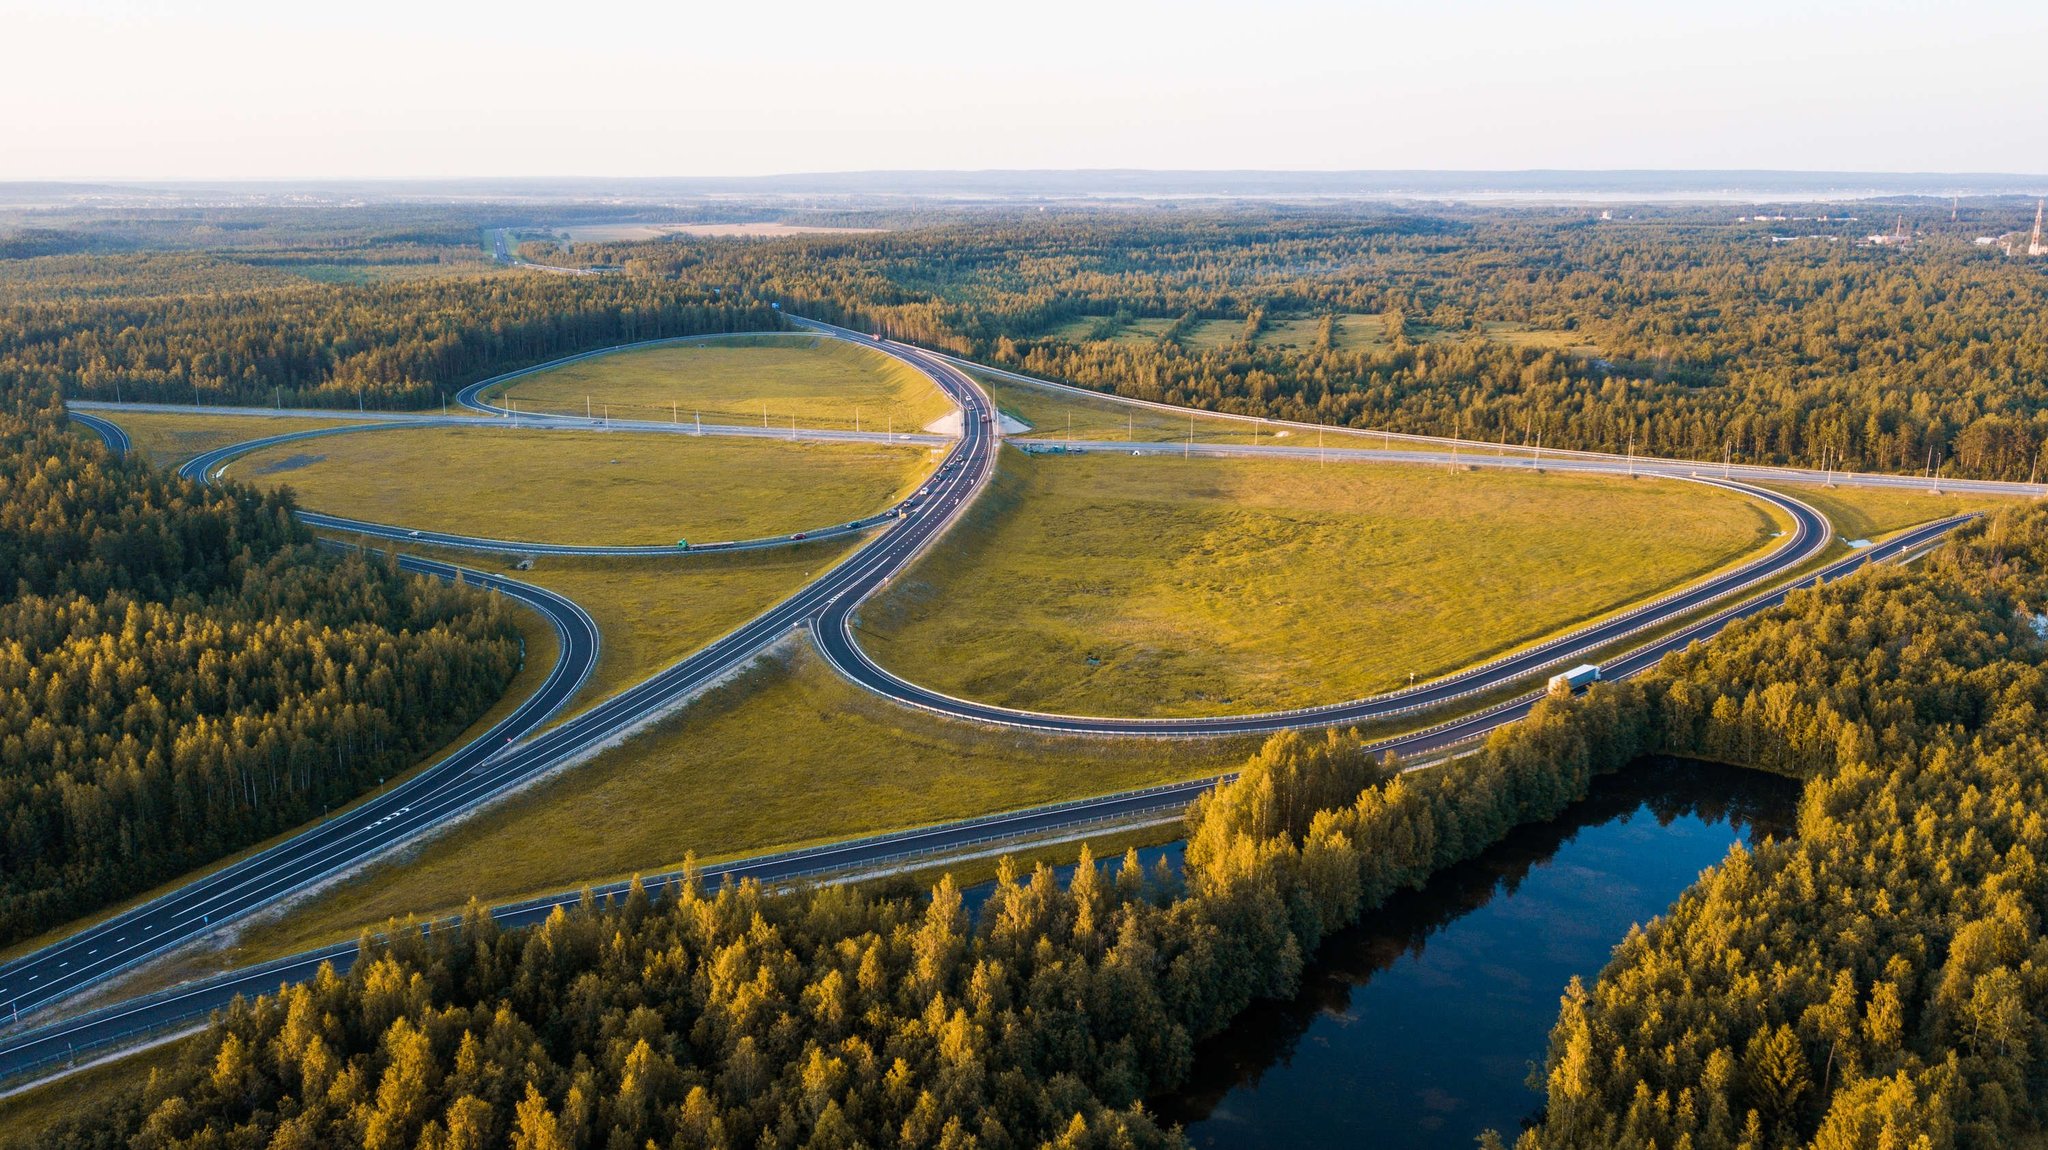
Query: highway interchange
x=522, y=747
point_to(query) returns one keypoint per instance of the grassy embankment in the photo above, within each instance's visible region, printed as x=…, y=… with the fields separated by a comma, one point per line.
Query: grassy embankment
x=1054, y=414
x=1115, y=585
x=743, y=379
x=590, y=487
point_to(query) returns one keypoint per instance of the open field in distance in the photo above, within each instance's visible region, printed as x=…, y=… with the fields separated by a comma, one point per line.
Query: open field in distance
x=1114, y=585
x=820, y=382
x=591, y=487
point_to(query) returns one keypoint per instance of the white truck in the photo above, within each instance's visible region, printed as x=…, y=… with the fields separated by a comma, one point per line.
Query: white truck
x=1575, y=680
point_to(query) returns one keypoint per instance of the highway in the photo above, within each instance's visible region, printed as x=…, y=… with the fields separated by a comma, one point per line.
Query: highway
x=828, y=607
x=492, y=764
x=456, y=782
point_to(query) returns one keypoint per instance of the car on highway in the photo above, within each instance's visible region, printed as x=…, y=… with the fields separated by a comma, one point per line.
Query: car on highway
x=798, y=535
x=412, y=535
x=682, y=544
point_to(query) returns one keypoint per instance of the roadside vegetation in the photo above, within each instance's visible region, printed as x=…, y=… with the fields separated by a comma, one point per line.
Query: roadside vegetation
x=744, y=379
x=1114, y=585
x=590, y=487
x=787, y=755
x=184, y=674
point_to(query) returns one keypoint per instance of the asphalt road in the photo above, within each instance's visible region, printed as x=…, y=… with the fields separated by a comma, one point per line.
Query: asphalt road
x=456, y=782
x=837, y=639
x=492, y=764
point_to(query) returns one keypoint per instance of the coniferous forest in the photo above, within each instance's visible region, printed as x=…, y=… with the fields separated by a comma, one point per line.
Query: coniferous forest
x=186, y=673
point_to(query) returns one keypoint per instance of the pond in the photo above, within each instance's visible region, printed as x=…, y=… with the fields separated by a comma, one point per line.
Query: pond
x=1418, y=1028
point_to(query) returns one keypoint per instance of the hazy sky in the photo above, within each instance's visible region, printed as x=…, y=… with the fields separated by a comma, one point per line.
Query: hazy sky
x=372, y=88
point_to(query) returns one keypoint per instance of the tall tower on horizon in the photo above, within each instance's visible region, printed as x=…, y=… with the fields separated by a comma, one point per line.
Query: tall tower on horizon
x=2037, y=248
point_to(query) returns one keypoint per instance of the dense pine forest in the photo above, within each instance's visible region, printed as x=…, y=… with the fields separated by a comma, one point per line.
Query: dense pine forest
x=182, y=673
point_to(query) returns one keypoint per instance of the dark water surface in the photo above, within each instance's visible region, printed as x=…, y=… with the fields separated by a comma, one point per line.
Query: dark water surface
x=1418, y=1027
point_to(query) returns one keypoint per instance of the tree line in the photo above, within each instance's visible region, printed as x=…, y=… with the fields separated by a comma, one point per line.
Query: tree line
x=409, y=343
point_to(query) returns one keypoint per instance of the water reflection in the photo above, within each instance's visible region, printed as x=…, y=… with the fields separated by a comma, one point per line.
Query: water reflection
x=1418, y=1028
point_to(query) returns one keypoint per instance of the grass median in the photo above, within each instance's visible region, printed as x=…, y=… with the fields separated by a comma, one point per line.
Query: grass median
x=590, y=487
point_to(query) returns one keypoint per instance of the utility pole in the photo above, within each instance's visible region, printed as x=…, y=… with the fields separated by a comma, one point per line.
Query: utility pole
x=675, y=415
x=1631, y=457
x=856, y=419
x=1130, y=426
x=586, y=407
x=1319, y=447
x=700, y=421
x=1189, y=450
x=792, y=427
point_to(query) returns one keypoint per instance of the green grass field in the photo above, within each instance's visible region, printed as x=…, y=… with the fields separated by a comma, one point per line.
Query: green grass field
x=1114, y=585
x=653, y=611
x=1874, y=512
x=821, y=382
x=590, y=487
x=169, y=439
x=786, y=755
